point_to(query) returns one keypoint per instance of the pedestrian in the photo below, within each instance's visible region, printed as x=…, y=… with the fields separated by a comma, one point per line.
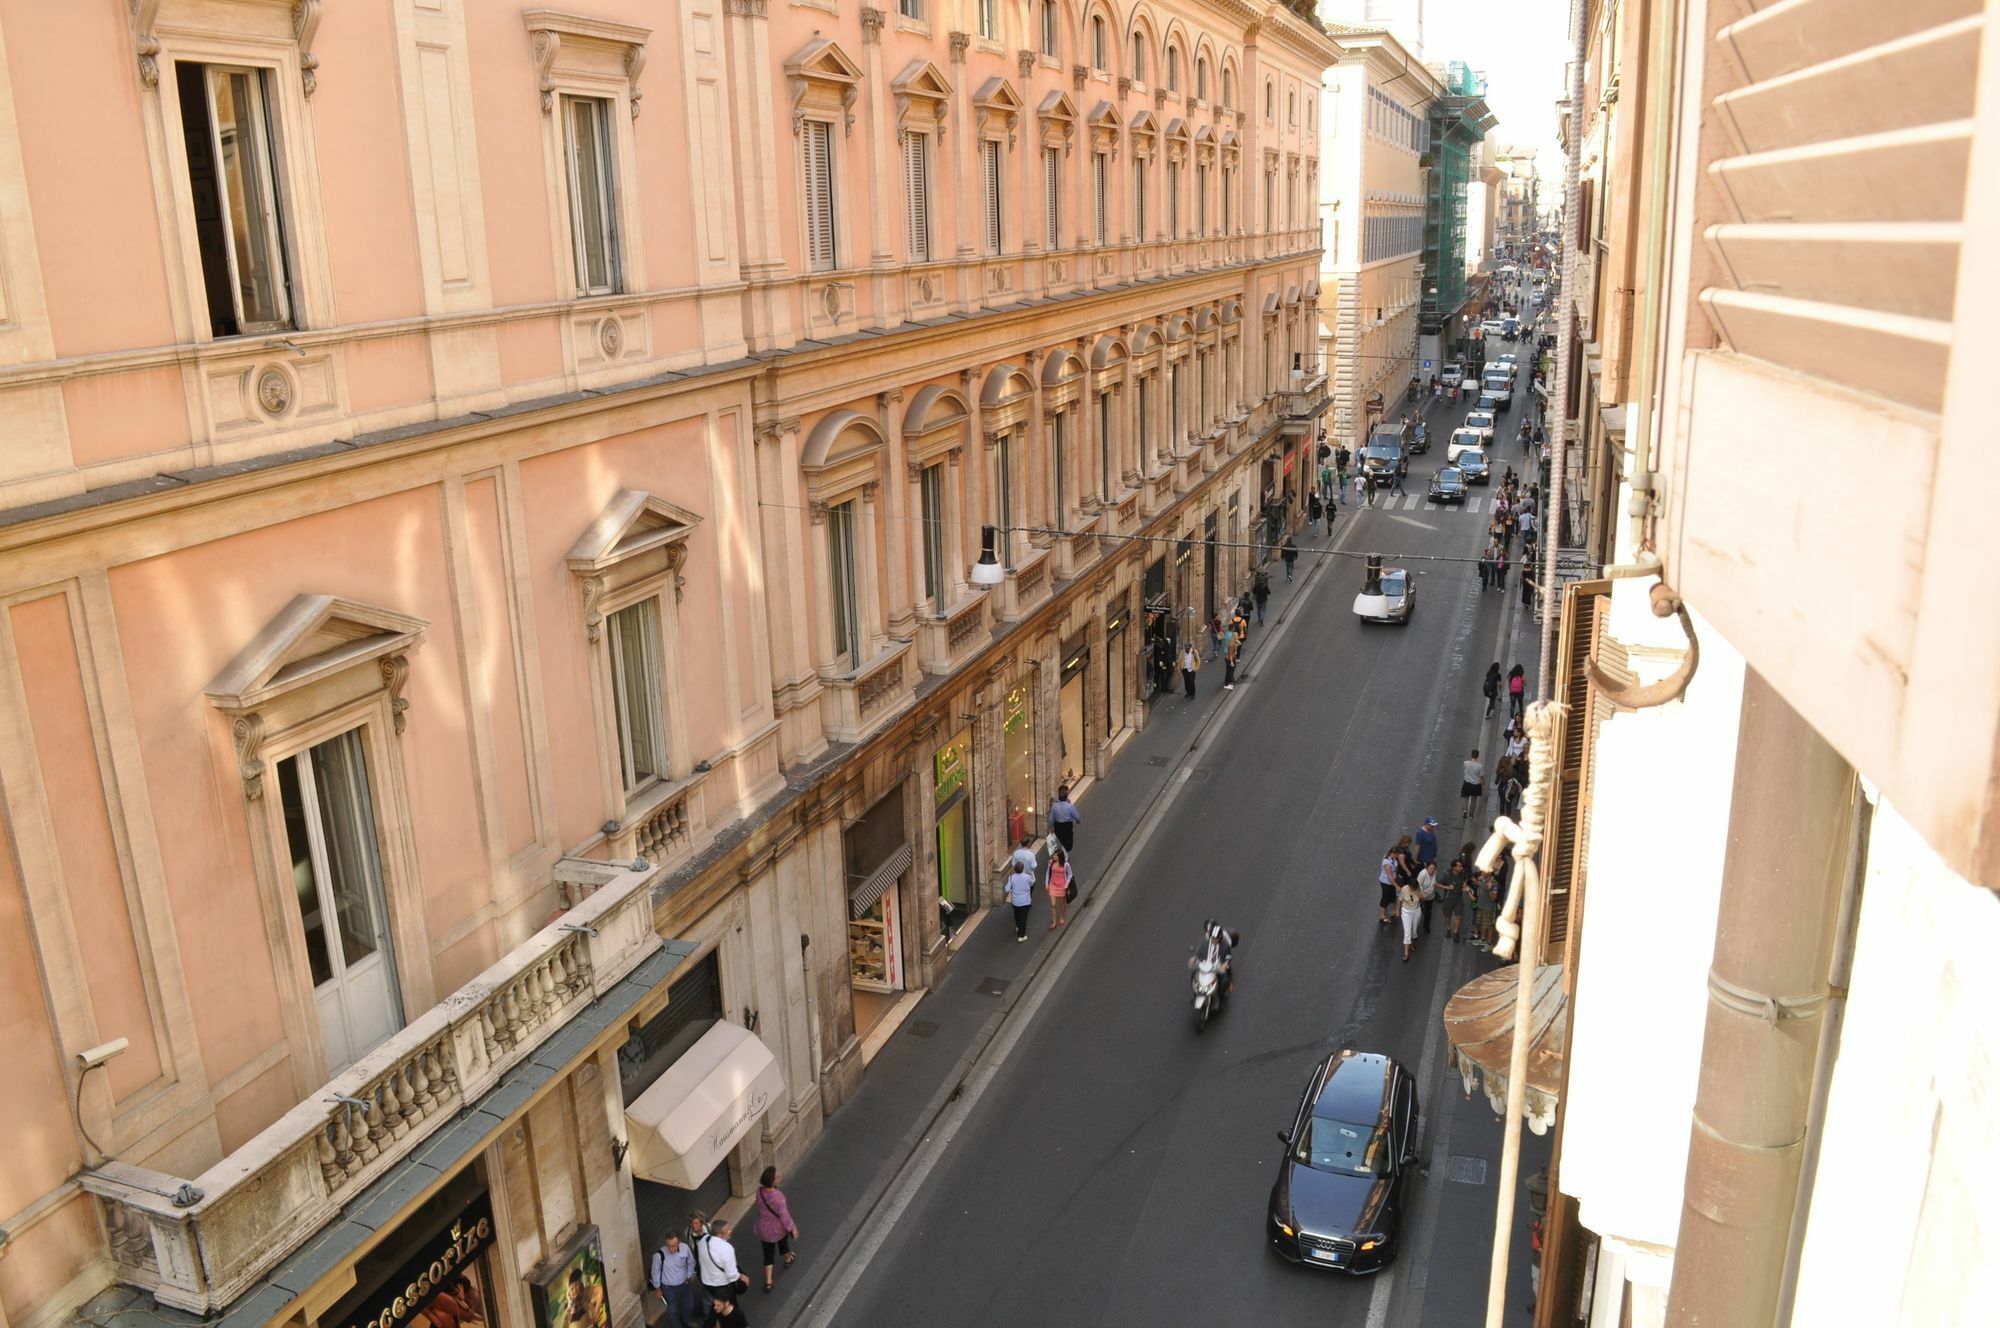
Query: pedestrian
x=945, y=911
x=1058, y=889
x=1386, y=878
x=1412, y=910
x=1472, y=785
x=1021, y=894
x=1260, y=590
x=1508, y=784
x=1327, y=488
x=1239, y=622
x=1064, y=818
x=1229, y=654
x=1427, y=879
x=1491, y=687
x=1485, y=569
x=774, y=1225
x=1369, y=481
x=1486, y=910
x=1517, y=690
x=1402, y=471
x=1023, y=858
x=1314, y=509
x=1190, y=663
x=1517, y=743
x=671, y=1275
x=1214, y=636
x=1427, y=844
x=1451, y=893
x=1500, y=570
x=715, y=1264
x=1290, y=553
x=727, y=1313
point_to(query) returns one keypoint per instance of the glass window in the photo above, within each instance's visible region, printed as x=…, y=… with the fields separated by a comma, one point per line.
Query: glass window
x=989, y=23
x=932, y=486
x=1099, y=43
x=330, y=836
x=1018, y=758
x=1003, y=479
x=636, y=684
x=1139, y=200
x=1100, y=166
x=1059, y=458
x=910, y=8
x=843, y=594
x=1138, y=57
x=1173, y=71
x=1104, y=491
x=239, y=224
x=1201, y=78
x=1049, y=27
x=1348, y=1150
x=593, y=205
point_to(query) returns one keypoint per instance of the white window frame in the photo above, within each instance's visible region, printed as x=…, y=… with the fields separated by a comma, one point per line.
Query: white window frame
x=639, y=734
x=272, y=212
x=819, y=196
x=603, y=170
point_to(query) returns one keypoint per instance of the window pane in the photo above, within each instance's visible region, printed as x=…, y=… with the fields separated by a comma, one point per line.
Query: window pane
x=933, y=496
x=347, y=824
x=636, y=684
x=841, y=594
x=243, y=161
x=592, y=200
x=305, y=881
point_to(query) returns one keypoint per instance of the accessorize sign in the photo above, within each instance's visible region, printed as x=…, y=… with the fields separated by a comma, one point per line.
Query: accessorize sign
x=446, y=1265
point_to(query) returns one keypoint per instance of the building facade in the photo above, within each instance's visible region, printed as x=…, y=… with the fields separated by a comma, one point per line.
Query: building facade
x=489, y=653
x=1773, y=878
x=1459, y=121
x=1374, y=134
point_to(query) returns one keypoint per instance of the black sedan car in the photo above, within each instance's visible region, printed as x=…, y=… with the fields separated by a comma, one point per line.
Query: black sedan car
x=1349, y=1167
x=1448, y=485
x=1473, y=468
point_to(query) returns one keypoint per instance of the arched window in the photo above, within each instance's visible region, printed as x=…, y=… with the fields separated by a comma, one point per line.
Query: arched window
x=1138, y=57
x=1201, y=78
x=1270, y=99
x=1292, y=107
x=1173, y=69
x=1228, y=87
x=1100, y=45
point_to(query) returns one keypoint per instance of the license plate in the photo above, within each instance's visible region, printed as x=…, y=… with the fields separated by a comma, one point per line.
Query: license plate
x=1325, y=1256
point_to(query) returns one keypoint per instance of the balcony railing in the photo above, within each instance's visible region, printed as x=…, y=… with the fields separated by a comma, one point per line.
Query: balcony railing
x=197, y=1245
x=1306, y=401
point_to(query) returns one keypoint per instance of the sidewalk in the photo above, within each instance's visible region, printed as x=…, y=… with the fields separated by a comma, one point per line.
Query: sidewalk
x=837, y=1186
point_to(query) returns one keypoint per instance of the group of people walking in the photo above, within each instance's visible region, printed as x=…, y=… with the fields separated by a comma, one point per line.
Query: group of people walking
x=1228, y=635
x=1414, y=888
x=694, y=1271
x=1059, y=882
x=1515, y=512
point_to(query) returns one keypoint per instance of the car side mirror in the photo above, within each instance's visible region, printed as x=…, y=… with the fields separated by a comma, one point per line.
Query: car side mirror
x=1285, y=1138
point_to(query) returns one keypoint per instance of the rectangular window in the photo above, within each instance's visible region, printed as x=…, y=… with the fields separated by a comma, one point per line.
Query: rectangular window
x=238, y=212
x=1049, y=46
x=1139, y=200
x=1104, y=446
x=989, y=23
x=635, y=693
x=843, y=595
x=932, y=495
x=593, y=194
x=1228, y=197
x=911, y=9
x=1003, y=492
x=1100, y=168
x=917, y=194
x=1174, y=200
x=1270, y=200
x=1200, y=201
x=1098, y=43
x=1059, y=455
x=990, y=182
x=1052, y=194
x=336, y=871
x=821, y=251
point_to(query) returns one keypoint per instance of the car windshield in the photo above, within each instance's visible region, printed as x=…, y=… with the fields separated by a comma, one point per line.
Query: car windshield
x=1347, y=1150
x=1381, y=453
x=1474, y=460
x=1479, y=420
x=1447, y=479
x=1394, y=583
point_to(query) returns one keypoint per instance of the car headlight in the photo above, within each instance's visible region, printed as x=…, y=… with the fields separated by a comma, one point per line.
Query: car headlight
x=1286, y=1229
x=1373, y=1242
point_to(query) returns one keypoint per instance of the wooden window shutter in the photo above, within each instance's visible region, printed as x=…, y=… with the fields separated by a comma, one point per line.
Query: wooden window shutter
x=917, y=188
x=1586, y=610
x=1099, y=165
x=819, y=195
x=989, y=152
x=1052, y=194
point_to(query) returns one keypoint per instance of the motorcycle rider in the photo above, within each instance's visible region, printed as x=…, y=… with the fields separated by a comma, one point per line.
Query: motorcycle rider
x=1218, y=944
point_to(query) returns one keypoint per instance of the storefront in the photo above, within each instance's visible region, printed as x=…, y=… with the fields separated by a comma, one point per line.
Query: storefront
x=1073, y=762
x=655, y=1047
x=951, y=784
x=1159, y=631
x=1017, y=759
x=878, y=857
x=1119, y=657
x=438, y=1268
x=1210, y=569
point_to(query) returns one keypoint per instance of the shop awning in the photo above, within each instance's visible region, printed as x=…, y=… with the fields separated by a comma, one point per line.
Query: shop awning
x=1479, y=1025
x=706, y=1101
x=863, y=896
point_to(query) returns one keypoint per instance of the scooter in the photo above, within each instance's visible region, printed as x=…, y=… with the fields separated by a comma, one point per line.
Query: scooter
x=1208, y=993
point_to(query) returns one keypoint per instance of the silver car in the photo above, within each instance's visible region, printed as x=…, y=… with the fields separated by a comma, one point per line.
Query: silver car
x=1393, y=602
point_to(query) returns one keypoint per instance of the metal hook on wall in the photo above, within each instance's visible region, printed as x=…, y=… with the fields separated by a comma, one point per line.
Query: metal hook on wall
x=1630, y=696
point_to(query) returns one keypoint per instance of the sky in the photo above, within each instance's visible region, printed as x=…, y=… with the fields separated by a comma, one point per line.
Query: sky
x=1522, y=48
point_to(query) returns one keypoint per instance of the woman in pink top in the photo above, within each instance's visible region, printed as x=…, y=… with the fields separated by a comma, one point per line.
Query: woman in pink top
x=1058, y=888
x=774, y=1225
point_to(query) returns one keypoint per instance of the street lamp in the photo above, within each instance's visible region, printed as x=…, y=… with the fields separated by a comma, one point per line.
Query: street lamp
x=987, y=571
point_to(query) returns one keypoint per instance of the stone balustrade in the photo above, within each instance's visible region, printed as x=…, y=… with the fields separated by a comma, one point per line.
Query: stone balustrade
x=197, y=1245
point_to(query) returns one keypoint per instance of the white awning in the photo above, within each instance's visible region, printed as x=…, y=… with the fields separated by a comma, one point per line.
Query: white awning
x=702, y=1106
x=864, y=895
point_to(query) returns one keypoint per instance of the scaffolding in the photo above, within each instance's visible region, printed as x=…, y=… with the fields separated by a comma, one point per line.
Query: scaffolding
x=1458, y=123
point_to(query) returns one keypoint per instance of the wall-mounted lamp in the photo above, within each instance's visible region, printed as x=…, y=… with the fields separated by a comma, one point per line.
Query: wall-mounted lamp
x=749, y=1019
x=987, y=571
x=94, y=1058
x=619, y=1148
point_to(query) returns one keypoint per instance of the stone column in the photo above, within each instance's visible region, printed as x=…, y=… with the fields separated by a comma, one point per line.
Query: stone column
x=758, y=144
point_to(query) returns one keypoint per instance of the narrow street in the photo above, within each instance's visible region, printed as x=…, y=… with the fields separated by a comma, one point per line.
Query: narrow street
x=1117, y=1167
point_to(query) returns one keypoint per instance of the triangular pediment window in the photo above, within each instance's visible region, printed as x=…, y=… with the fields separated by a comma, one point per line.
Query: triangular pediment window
x=312, y=638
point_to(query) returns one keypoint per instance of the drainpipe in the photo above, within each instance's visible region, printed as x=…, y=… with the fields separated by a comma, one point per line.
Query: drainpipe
x=1550, y=517
x=1790, y=838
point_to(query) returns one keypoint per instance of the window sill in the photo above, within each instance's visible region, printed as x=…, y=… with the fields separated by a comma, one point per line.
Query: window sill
x=921, y=27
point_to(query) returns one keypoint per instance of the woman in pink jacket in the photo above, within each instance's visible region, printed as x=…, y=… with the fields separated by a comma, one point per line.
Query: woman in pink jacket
x=774, y=1225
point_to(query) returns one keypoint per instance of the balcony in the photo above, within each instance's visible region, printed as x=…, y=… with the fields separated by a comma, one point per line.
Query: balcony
x=198, y=1245
x=1303, y=404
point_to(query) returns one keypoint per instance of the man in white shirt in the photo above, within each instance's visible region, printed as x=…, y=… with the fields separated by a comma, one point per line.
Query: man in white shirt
x=715, y=1258
x=1473, y=787
x=1023, y=858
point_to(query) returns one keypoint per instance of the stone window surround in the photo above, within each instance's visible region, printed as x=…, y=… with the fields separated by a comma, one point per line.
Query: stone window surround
x=834, y=477
x=633, y=552
x=578, y=56
x=165, y=35
x=940, y=441
x=280, y=701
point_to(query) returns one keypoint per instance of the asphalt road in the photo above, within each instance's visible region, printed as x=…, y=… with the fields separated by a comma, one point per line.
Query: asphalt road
x=1117, y=1168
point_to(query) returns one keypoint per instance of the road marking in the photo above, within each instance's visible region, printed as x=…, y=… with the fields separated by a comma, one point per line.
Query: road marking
x=1472, y=504
x=1412, y=521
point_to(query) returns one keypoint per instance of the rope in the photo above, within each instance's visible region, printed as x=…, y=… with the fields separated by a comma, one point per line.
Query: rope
x=1523, y=838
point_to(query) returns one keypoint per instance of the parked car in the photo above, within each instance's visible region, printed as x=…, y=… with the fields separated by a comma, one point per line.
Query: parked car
x=1350, y=1166
x=1473, y=466
x=1453, y=375
x=1482, y=422
x=1392, y=599
x=1448, y=485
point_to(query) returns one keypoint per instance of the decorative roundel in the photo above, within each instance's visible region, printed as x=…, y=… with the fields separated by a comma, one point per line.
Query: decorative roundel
x=274, y=391
x=611, y=337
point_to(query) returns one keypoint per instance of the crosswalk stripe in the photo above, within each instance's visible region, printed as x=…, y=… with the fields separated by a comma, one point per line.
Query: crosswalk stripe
x=1472, y=504
x=1413, y=502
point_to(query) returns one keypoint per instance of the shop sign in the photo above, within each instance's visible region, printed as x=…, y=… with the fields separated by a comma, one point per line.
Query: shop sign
x=951, y=762
x=569, y=1290
x=1291, y=459
x=1017, y=709
x=438, y=1267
